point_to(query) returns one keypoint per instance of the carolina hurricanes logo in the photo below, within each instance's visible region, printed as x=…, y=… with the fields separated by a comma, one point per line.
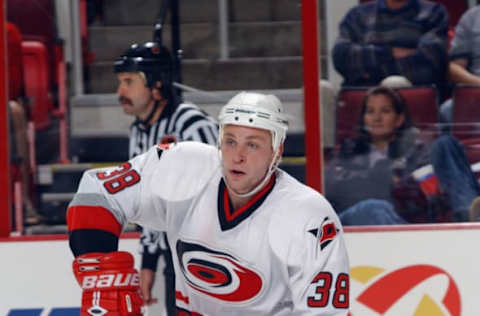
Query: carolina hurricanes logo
x=326, y=233
x=422, y=289
x=162, y=147
x=217, y=274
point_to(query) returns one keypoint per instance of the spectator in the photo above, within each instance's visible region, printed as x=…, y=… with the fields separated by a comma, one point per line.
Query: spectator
x=21, y=157
x=393, y=37
x=464, y=66
x=373, y=178
x=403, y=39
x=18, y=117
x=145, y=87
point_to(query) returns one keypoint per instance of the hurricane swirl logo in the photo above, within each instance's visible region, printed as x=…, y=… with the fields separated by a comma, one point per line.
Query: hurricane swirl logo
x=218, y=274
x=418, y=290
x=326, y=233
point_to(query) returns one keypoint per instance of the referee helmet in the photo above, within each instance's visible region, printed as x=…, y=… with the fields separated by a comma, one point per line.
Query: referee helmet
x=151, y=59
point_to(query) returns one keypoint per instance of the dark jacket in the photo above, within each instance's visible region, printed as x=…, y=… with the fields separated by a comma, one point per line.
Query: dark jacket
x=363, y=50
x=350, y=179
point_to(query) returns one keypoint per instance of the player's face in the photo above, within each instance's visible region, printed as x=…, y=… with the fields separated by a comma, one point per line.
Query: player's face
x=380, y=118
x=134, y=96
x=246, y=154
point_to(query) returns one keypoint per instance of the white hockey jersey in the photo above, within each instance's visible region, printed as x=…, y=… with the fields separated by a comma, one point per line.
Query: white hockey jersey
x=283, y=253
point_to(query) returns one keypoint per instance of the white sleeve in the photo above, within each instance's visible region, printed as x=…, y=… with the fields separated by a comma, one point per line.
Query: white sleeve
x=315, y=259
x=121, y=190
x=141, y=189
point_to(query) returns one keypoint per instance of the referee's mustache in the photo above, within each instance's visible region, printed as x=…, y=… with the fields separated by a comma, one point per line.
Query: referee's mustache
x=122, y=99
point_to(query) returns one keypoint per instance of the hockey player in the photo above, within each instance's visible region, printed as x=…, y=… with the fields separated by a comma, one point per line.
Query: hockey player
x=246, y=238
x=145, y=75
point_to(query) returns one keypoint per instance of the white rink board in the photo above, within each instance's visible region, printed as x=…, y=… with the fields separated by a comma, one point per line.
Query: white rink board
x=37, y=274
x=428, y=258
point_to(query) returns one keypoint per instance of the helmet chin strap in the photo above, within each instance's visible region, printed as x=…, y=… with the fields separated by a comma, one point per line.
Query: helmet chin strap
x=151, y=114
x=271, y=170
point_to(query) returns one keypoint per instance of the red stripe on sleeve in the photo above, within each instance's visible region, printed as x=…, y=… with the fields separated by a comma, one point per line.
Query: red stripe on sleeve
x=92, y=217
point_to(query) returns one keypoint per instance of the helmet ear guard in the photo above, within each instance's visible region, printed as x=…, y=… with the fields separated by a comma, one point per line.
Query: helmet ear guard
x=257, y=110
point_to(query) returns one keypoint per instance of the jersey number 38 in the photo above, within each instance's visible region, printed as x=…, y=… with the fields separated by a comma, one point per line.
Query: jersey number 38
x=119, y=179
x=324, y=282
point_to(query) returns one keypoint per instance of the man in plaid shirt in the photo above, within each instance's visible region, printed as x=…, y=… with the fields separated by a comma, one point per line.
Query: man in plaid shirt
x=384, y=38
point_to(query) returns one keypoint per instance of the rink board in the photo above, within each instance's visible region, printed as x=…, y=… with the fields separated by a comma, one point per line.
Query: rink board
x=425, y=270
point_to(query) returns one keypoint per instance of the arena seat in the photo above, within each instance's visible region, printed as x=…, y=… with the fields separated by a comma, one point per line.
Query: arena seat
x=466, y=112
x=472, y=149
x=455, y=9
x=422, y=102
x=16, y=92
x=36, y=21
x=16, y=80
x=43, y=51
x=37, y=83
x=349, y=103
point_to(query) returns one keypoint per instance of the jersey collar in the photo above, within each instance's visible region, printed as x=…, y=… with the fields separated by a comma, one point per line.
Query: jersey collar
x=230, y=218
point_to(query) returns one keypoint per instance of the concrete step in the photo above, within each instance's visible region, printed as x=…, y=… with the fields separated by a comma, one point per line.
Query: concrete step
x=55, y=182
x=124, y=12
x=200, y=40
x=264, y=10
x=55, y=187
x=60, y=197
x=62, y=178
x=91, y=148
x=232, y=74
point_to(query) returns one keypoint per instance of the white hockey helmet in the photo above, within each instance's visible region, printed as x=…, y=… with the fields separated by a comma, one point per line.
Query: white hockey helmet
x=251, y=109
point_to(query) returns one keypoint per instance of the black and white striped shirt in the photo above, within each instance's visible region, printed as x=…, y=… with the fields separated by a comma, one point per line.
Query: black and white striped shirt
x=185, y=122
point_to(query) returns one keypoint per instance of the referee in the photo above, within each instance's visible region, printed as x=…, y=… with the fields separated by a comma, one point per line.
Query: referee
x=145, y=75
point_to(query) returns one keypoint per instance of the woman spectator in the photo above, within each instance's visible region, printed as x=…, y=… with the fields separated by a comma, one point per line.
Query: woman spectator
x=370, y=179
